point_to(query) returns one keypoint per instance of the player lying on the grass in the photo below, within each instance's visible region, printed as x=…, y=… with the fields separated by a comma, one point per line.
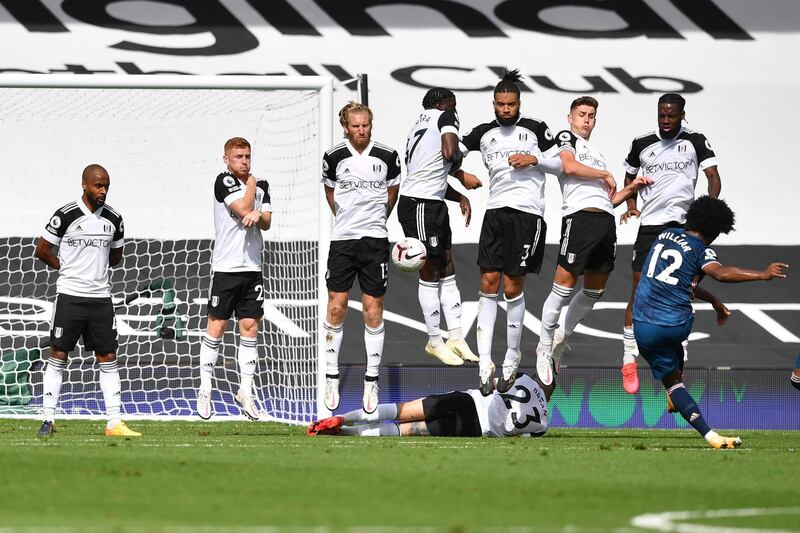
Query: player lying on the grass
x=662, y=309
x=520, y=411
x=796, y=374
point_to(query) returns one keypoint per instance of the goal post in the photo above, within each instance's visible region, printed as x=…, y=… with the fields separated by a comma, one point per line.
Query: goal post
x=161, y=139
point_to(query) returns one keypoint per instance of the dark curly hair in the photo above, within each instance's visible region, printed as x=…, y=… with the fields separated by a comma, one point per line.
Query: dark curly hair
x=508, y=82
x=672, y=98
x=436, y=95
x=710, y=217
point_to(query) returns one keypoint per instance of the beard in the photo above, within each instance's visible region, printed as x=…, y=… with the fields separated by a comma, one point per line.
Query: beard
x=506, y=121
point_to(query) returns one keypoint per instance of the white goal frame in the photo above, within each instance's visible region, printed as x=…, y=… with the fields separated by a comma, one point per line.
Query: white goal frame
x=323, y=84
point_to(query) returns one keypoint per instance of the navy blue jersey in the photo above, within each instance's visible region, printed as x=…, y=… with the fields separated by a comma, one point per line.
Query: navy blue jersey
x=664, y=295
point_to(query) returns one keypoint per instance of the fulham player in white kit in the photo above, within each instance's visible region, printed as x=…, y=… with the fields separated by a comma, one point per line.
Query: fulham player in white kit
x=672, y=156
x=242, y=210
x=89, y=235
x=361, y=179
x=588, y=233
x=431, y=155
x=521, y=411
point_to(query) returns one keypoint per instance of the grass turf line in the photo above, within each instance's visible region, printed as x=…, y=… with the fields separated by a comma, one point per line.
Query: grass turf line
x=262, y=474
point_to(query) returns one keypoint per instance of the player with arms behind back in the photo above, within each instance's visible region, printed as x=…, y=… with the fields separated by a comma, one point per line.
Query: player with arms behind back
x=89, y=235
x=431, y=155
x=521, y=411
x=672, y=156
x=361, y=178
x=516, y=151
x=242, y=209
x=662, y=309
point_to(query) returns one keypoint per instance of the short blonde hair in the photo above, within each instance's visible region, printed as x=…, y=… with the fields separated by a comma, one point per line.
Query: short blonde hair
x=353, y=107
x=236, y=142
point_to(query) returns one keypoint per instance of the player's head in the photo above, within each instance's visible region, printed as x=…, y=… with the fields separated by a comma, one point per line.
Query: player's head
x=583, y=116
x=356, y=119
x=709, y=217
x=95, y=182
x=506, y=98
x=237, y=157
x=670, y=114
x=439, y=98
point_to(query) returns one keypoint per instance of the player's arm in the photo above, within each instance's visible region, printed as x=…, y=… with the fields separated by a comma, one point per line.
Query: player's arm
x=115, y=256
x=265, y=220
x=44, y=252
x=463, y=202
x=244, y=206
x=722, y=310
x=714, y=181
x=735, y=274
x=391, y=198
x=262, y=217
x=329, y=197
x=630, y=189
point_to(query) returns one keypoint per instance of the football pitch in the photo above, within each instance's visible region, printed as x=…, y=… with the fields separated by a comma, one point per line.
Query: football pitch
x=238, y=476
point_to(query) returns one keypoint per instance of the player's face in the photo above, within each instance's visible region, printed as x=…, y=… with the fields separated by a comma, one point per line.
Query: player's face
x=358, y=130
x=238, y=161
x=582, y=120
x=506, y=108
x=669, y=119
x=95, y=188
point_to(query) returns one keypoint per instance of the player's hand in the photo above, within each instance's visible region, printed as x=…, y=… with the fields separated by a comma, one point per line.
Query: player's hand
x=639, y=182
x=775, y=270
x=611, y=185
x=722, y=312
x=522, y=160
x=252, y=218
x=466, y=209
x=470, y=181
x=623, y=219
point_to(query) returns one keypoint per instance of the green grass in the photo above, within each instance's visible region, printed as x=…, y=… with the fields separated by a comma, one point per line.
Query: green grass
x=186, y=474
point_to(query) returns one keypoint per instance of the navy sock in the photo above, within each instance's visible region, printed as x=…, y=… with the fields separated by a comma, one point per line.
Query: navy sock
x=684, y=402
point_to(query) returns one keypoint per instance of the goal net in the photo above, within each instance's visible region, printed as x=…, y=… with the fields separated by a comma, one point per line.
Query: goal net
x=161, y=139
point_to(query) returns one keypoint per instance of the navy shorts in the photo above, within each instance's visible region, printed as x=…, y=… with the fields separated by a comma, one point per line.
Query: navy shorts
x=662, y=346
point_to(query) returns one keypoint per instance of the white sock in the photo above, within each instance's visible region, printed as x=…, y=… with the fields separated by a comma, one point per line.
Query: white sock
x=685, y=345
x=579, y=307
x=372, y=430
x=629, y=347
x=112, y=391
x=373, y=341
x=487, y=314
x=551, y=310
x=333, y=341
x=515, y=314
x=450, y=297
x=428, y=293
x=386, y=412
x=248, y=358
x=53, y=376
x=209, y=352
x=711, y=435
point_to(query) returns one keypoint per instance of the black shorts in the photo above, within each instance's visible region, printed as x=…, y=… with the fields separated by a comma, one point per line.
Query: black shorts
x=588, y=242
x=451, y=415
x=511, y=241
x=644, y=241
x=428, y=221
x=368, y=257
x=242, y=292
x=90, y=318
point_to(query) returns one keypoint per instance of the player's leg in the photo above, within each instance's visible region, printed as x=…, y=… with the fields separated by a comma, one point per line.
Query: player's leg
x=450, y=297
x=66, y=326
x=219, y=311
x=795, y=379
x=249, y=309
x=513, y=287
x=100, y=336
x=487, y=314
x=373, y=279
x=560, y=295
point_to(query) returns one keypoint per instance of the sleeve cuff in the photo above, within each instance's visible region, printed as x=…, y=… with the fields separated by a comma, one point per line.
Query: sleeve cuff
x=118, y=244
x=232, y=197
x=708, y=163
x=449, y=129
x=329, y=183
x=266, y=208
x=629, y=169
x=52, y=239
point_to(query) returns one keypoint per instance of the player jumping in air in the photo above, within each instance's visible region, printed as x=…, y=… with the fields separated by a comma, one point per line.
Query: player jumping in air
x=662, y=309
